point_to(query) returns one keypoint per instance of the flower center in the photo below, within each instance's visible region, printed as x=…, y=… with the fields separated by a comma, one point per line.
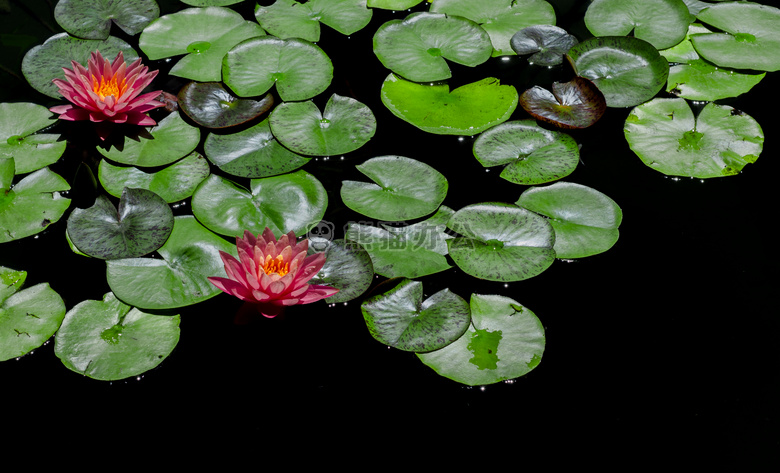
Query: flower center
x=107, y=87
x=276, y=266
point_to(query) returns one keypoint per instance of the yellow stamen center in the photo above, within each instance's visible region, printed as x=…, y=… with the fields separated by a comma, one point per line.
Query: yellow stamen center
x=104, y=88
x=276, y=266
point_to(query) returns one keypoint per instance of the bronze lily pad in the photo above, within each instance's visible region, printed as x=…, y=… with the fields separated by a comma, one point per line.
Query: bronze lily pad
x=210, y=105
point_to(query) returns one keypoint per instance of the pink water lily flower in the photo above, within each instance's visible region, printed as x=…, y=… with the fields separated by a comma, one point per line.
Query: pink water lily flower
x=107, y=92
x=272, y=274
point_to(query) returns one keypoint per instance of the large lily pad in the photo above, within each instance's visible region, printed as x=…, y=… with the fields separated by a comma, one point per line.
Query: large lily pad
x=109, y=340
x=172, y=138
x=501, y=242
x=92, y=19
x=209, y=104
x=299, y=69
x=403, y=189
x=347, y=267
x=31, y=205
x=662, y=23
x=628, y=71
x=585, y=220
x=467, y=110
x=666, y=136
x=546, y=44
x=401, y=319
x=393, y=4
x=179, y=277
x=293, y=202
x=139, y=226
x=31, y=151
x=505, y=340
x=290, y=19
x=416, y=47
x=750, y=37
x=500, y=18
x=529, y=153
x=43, y=63
x=210, y=3
x=203, y=34
x=172, y=183
x=28, y=317
x=345, y=125
x=574, y=104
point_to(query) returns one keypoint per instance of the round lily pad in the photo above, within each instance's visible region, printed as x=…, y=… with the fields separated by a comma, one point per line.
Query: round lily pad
x=209, y=104
x=43, y=63
x=403, y=189
x=347, y=267
x=210, y=3
x=505, y=340
x=400, y=318
x=501, y=242
x=345, y=125
x=467, y=110
x=585, y=220
x=299, y=69
x=416, y=47
x=293, y=202
x=172, y=138
x=141, y=225
x=666, y=136
x=394, y=5
x=179, y=276
x=628, y=71
x=546, y=44
x=662, y=23
x=204, y=35
x=31, y=205
x=529, y=153
x=31, y=151
x=291, y=19
x=574, y=104
x=109, y=340
x=172, y=183
x=500, y=18
x=91, y=19
x=28, y=317
x=750, y=37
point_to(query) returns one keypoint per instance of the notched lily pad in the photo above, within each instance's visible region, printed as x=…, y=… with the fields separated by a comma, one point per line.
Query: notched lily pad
x=574, y=104
x=291, y=19
x=547, y=44
x=662, y=23
x=31, y=151
x=347, y=267
x=209, y=104
x=92, y=19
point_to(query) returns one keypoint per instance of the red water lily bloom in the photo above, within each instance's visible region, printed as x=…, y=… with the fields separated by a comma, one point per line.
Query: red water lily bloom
x=107, y=91
x=272, y=274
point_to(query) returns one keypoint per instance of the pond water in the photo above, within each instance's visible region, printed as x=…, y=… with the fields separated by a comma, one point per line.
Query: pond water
x=668, y=340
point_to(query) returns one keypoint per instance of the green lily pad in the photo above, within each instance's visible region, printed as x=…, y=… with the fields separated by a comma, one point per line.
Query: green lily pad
x=403, y=189
x=293, y=202
x=662, y=23
x=750, y=37
x=504, y=341
x=31, y=151
x=210, y=3
x=209, y=104
x=28, y=317
x=501, y=242
x=574, y=104
x=179, y=277
x=43, y=63
x=393, y=4
x=347, y=267
x=203, y=34
x=173, y=183
x=253, y=153
x=546, y=44
x=299, y=69
x=400, y=318
x=290, y=19
x=344, y=126
x=695, y=6
x=411, y=251
x=666, y=136
x=91, y=19
x=628, y=71
x=141, y=225
x=529, y=153
x=416, y=47
x=467, y=110
x=31, y=205
x=172, y=138
x=109, y=340
x=500, y=18
x=585, y=220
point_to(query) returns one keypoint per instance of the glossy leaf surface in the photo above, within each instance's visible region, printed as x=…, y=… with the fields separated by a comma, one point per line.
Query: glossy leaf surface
x=574, y=104
x=662, y=23
x=92, y=19
x=209, y=104
x=291, y=19
x=31, y=151
x=546, y=44
x=347, y=267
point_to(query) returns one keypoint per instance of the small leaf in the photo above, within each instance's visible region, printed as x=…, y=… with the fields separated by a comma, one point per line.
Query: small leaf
x=31, y=151
x=32, y=204
x=209, y=104
x=547, y=44
x=574, y=104
x=347, y=267
x=91, y=19
x=662, y=23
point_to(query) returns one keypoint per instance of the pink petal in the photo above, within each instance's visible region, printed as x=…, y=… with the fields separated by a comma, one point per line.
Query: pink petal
x=231, y=287
x=317, y=292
